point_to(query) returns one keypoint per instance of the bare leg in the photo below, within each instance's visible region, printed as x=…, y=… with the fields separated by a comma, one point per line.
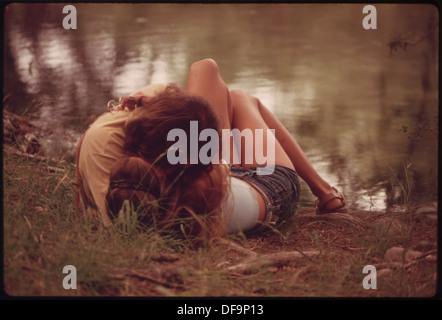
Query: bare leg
x=238, y=109
x=298, y=160
x=246, y=115
x=204, y=80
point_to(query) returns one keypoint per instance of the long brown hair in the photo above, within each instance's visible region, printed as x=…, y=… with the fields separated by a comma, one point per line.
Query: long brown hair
x=182, y=197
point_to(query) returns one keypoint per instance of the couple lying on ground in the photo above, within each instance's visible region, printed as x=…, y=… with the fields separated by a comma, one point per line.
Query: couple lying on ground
x=123, y=161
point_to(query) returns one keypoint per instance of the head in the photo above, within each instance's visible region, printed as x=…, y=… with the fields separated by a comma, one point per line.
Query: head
x=147, y=129
x=188, y=206
x=135, y=180
x=174, y=197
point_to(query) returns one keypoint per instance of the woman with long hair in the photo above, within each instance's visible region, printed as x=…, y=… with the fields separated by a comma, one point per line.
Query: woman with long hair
x=182, y=196
x=195, y=198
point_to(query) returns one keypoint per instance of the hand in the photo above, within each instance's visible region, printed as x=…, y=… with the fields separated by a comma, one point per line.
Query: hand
x=131, y=102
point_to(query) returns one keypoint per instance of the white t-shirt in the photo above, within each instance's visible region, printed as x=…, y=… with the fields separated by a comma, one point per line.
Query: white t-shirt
x=241, y=210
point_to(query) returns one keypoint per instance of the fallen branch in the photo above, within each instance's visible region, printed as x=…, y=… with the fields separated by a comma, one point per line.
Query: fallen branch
x=123, y=273
x=37, y=158
x=403, y=265
x=165, y=257
x=397, y=258
x=343, y=217
x=274, y=259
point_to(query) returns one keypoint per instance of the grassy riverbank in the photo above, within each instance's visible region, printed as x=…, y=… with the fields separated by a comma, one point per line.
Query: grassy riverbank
x=313, y=256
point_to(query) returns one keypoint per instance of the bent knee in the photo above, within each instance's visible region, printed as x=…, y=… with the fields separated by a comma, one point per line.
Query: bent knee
x=239, y=94
x=243, y=99
x=205, y=66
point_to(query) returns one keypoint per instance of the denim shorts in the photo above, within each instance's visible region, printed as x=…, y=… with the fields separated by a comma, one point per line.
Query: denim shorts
x=280, y=191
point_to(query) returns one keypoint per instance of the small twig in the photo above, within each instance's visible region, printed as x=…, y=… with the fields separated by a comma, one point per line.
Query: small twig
x=393, y=44
x=402, y=264
x=60, y=182
x=425, y=254
x=165, y=257
x=396, y=265
x=34, y=236
x=352, y=248
x=239, y=248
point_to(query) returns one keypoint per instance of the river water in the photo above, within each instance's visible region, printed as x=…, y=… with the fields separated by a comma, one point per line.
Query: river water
x=361, y=103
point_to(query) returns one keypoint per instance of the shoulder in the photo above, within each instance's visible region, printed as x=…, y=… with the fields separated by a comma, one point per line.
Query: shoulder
x=107, y=125
x=105, y=136
x=114, y=119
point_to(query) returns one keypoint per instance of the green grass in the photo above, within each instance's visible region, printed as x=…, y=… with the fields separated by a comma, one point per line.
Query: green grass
x=42, y=235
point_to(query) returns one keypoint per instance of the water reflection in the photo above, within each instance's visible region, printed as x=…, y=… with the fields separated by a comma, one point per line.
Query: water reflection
x=361, y=111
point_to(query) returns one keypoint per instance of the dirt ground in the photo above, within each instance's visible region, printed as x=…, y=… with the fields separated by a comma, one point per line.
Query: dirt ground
x=311, y=256
x=314, y=256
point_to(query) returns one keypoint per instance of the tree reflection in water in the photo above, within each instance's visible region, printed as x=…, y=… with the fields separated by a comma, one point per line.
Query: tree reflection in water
x=362, y=111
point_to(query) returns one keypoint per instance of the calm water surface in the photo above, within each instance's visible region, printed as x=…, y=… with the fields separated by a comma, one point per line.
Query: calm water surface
x=363, y=107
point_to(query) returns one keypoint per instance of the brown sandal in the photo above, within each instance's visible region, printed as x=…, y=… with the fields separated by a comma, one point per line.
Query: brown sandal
x=321, y=208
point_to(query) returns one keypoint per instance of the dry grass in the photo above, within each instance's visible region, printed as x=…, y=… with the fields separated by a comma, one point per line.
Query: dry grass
x=312, y=256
